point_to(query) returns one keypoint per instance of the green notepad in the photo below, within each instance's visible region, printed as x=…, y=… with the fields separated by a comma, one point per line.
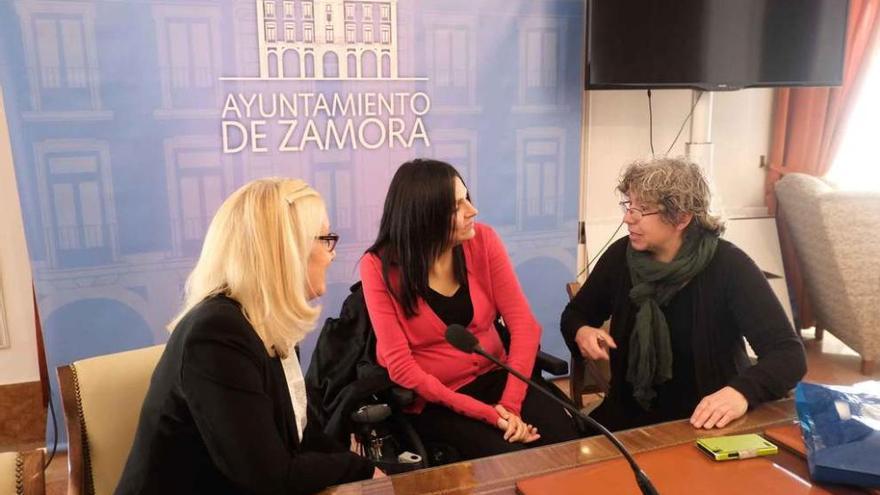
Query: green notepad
x=736, y=447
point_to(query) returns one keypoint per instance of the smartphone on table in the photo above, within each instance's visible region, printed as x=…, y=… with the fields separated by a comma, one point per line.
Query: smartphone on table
x=732, y=447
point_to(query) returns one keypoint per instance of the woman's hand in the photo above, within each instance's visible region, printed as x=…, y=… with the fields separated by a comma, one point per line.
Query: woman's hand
x=718, y=409
x=515, y=429
x=594, y=342
x=378, y=473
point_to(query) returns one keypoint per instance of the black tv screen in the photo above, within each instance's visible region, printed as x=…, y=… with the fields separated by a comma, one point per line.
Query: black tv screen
x=715, y=44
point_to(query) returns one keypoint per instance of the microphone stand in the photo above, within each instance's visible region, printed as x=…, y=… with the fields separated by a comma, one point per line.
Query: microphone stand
x=642, y=480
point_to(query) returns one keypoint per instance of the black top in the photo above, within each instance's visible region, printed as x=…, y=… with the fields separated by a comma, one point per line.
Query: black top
x=218, y=419
x=707, y=319
x=454, y=309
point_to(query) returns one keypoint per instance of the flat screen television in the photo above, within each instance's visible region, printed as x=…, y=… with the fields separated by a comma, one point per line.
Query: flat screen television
x=715, y=44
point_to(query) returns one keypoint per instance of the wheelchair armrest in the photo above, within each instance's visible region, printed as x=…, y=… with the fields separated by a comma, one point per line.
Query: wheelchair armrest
x=402, y=397
x=371, y=413
x=551, y=364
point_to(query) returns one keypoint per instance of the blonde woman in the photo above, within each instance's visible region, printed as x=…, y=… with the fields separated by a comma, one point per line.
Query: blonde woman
x=226, y=407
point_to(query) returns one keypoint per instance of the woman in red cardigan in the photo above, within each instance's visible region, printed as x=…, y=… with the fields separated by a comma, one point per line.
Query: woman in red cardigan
x=432, y=266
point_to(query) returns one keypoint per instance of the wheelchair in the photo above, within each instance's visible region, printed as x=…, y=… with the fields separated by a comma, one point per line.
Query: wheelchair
x=351, y=396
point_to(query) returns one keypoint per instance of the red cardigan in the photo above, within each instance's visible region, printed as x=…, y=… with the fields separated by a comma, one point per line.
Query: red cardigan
x=415, y=351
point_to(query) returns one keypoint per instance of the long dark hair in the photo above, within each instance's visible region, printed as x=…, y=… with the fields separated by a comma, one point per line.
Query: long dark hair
x=416, y=227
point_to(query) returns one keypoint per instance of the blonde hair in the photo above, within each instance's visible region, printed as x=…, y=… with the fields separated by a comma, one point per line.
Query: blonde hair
x=675, y=186
x=256, y=251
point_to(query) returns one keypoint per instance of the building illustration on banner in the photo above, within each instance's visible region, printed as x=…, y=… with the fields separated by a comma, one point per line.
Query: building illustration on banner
x=120, y=163
x=327, y=39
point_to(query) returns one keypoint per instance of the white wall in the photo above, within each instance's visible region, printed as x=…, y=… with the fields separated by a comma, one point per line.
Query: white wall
x=617, y=133
x=18, y=361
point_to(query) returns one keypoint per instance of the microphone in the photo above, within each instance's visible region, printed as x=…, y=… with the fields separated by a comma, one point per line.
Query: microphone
x=460, y=338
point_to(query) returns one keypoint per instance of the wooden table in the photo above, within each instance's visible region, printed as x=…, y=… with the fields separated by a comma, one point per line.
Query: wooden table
x=683, y=469
x=498, y=474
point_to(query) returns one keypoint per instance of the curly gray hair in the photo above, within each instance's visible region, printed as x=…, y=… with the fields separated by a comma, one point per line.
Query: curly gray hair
x=675, y=186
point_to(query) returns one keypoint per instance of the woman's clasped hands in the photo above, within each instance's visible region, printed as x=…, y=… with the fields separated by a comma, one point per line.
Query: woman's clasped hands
x=515, y=429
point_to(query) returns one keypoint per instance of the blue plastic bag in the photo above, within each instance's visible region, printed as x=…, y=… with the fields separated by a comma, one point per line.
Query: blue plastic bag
x=841, y=428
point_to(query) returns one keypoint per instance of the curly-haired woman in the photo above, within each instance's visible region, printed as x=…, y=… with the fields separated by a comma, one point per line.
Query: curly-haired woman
x=680, y=301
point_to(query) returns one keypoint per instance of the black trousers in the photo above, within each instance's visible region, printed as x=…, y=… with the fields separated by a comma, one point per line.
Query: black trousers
x=472, y=438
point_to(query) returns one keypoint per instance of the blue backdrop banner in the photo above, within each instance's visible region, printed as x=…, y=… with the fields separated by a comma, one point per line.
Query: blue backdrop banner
x=130, y=122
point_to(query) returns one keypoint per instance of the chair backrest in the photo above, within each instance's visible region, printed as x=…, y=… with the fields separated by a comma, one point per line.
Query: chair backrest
x=832, y=234
x=572, y=289
x=102, y=403
x=10, y=466
x=21, y=473
x=799, y=198
x=587, y=376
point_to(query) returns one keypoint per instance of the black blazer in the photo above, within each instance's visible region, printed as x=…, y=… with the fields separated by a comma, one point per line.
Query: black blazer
x=218, y=419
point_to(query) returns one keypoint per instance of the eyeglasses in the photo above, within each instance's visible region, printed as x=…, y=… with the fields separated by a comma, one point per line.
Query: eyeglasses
x=330, y=240
x=635, y=213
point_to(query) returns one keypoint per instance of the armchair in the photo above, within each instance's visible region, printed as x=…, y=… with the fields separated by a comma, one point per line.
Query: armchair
x=834, y=234
x=102, y=399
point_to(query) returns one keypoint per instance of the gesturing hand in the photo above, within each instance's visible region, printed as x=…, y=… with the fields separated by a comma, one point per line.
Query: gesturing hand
x=594, y=342
x=718, y=409
x=515, y=429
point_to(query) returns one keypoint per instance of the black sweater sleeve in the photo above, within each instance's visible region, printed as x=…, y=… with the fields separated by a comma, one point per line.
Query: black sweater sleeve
x=221, y=380
x=761, y=319
x=594, y=303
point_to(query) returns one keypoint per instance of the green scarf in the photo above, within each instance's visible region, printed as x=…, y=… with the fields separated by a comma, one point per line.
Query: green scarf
x=654, y=284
